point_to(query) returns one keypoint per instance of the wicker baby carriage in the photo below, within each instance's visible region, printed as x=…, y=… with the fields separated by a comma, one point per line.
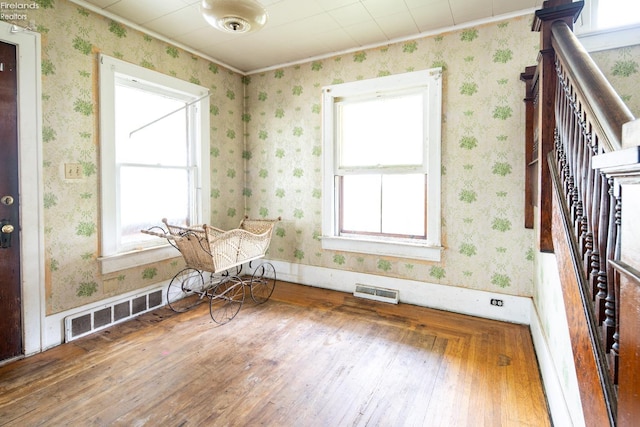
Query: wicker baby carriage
x=222, y=254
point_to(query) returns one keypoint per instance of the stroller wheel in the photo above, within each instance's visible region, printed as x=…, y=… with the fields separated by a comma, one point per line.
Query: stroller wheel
x=185, y=290
x=226, y=300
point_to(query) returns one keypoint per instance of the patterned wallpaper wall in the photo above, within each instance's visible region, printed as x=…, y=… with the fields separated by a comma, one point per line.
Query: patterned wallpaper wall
x=266, y=150
x=622, y=68
x=72, y=37
x=486, y=244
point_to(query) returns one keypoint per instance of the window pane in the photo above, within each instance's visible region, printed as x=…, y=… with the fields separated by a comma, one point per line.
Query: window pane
x=403, y=204
x=361, y=203
x=386, y=131
x=384, y=204
x=163, y=142
x=149, y=194
x=609, y=13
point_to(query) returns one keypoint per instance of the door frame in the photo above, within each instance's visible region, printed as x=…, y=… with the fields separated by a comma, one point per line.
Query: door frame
x=31, y=183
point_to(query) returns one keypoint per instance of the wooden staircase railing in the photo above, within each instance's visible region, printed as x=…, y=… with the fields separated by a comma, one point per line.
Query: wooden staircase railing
x=582, y=150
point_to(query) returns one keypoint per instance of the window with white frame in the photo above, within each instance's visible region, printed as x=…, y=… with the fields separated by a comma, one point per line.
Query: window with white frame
x=154, y=143
x=381, y=182
x=608, y=24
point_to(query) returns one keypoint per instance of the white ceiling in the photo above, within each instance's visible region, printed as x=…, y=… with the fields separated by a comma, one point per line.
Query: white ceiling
x=298, y=30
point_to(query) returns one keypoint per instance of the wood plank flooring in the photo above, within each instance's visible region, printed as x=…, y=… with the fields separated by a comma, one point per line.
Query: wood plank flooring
x=307, y=357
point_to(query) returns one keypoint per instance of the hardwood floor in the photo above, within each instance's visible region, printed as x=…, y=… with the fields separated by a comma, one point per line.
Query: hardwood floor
x=307, y=357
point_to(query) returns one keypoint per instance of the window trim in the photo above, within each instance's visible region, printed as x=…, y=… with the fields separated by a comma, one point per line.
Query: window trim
x=595, y=39
x=429, y=249
x=611, y=38
x=110, y=69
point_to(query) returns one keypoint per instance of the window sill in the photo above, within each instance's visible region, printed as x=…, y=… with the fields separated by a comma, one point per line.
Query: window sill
x=412, y=250
x=119, y=262
x=611, y=38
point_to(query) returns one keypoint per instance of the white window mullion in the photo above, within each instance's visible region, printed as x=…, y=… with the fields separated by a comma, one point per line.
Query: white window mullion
x=381, y=209
x=117, y=210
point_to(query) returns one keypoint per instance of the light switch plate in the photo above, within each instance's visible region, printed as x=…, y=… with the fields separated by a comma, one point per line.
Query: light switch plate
x=72, y=171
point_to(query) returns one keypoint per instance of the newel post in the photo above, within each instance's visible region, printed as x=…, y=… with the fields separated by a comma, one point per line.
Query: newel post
x=530, y=154
x=545, y=120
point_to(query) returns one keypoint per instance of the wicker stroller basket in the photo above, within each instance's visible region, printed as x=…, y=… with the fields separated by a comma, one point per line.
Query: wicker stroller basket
x=211, y=249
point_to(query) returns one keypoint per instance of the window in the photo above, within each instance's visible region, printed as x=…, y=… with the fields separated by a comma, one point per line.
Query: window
x=381, y=189
x=154, y=160
x=616, y=13
x=608, y=24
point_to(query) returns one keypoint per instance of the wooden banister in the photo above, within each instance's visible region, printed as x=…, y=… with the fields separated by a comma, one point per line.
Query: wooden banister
x=583, y=157
x=600, y=101
x=544, y=116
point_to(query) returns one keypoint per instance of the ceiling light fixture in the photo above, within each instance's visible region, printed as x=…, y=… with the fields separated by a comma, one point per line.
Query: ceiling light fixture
x=234, y=16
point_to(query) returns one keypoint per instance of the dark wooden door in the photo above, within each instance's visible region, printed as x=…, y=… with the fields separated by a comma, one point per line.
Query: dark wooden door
x=10, y=291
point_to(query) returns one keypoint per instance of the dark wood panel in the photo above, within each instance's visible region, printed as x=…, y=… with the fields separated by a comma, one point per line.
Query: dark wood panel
x=629, y=383
x=592, y=394
x=629, y=270
x=10, y=284
x=307, y=357
x=530, y=141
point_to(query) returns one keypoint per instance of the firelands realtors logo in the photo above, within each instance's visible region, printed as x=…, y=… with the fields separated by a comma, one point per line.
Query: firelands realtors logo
x=14, y=11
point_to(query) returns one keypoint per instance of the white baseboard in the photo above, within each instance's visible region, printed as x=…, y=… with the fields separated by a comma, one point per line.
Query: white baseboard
x=449, y=298
x=558, y=407
x=473, y=302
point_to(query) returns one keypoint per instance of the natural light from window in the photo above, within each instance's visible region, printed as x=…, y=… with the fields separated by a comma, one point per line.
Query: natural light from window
x=379, y=194
x=153, y=161
x=365, y=132
x=617, y=13
x=384, y=204
x=154, y=151
x=381, y=165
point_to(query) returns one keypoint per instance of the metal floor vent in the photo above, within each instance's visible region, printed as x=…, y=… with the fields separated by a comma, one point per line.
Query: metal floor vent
x=87, y=322
x=377, y=294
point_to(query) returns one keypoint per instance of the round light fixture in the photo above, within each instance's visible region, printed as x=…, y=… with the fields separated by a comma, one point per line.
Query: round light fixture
x=234, y=16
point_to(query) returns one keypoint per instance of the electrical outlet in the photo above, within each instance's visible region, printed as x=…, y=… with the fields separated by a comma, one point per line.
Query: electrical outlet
x=497, y=302
x=72, y=170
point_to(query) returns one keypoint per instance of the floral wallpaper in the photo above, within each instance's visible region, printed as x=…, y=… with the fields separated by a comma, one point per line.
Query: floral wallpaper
x=72, y=37
x=266, y=150
x=622, y=68
x=486, y=244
